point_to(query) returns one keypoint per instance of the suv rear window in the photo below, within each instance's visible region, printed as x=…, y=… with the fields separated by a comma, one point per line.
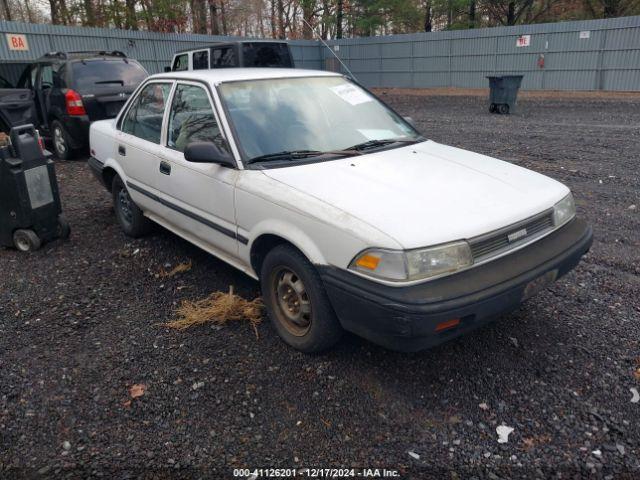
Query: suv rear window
x=90, y=75
x=266, y=55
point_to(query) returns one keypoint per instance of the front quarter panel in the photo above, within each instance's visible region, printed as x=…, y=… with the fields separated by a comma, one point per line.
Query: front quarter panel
x=325, y=234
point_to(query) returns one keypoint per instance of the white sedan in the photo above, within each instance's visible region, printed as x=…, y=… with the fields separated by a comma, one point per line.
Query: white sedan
x=348, y=216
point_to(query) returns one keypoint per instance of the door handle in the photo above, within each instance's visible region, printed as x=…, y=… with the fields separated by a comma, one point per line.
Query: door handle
x=165, y=168
x=122, y=151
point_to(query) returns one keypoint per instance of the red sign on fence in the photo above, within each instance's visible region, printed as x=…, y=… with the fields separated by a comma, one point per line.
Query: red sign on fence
x=17, y=41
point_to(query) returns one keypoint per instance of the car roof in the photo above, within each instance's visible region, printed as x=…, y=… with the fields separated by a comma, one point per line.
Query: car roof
x=221, y=75
x=232, y=42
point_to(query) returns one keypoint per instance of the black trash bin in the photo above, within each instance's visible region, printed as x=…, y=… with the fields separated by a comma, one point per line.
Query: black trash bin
x=503, y=93
x=30, y=211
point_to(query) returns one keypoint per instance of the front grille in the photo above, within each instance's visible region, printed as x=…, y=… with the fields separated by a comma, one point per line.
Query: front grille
x=509, y=237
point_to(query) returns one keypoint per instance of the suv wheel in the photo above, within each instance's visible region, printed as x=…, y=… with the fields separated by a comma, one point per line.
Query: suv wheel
x=296, y=301
x=60, y=140
x=130, y=217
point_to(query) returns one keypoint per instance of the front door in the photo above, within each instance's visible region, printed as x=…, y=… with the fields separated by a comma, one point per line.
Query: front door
x=199, y=197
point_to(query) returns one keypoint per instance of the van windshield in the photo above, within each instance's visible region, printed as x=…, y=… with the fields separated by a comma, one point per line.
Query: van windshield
x=261, y=54
x=92, y=75
x=311, y=115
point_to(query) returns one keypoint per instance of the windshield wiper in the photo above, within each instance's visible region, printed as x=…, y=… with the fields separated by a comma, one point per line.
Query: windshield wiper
x=381, y=143
x=285, y=155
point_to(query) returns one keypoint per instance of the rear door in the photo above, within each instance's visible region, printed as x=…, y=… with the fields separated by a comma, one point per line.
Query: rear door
x=105, y=84
x=138, y=135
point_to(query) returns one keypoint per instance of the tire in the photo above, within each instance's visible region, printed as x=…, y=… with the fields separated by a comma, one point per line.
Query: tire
x=26, y=240
x=287, y=277
x=60, y=140
x=493, y=108
x=130, y=217
x=503, y=108
x=64, y=230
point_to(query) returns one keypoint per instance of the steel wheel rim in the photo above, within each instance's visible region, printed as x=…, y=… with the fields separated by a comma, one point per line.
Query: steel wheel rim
x=124, y=203
x=58, y=140
x=292, y=302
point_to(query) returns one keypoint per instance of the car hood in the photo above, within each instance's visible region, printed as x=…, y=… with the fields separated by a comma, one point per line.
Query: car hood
x=428, y=193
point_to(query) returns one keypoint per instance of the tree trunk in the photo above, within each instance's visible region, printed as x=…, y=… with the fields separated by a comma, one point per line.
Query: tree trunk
x=223, y=18
x=511, y=14
x=131, y=20
x=274, y=32
x=339, y=14
x=7, y=10
x=213, y=13
x=281, y=34
x=201, y=15
x=428, y=24
x=55, y=16
x=472, y=14
x=89, y=13
x=308, y=8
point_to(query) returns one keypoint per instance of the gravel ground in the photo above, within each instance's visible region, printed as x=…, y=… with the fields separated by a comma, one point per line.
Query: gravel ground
x=80, y=325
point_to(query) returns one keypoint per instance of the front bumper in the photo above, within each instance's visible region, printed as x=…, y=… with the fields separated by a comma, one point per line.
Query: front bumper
x=405, y=318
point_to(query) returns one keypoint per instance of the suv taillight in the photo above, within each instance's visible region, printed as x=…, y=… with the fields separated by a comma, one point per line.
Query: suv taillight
x=74, y=103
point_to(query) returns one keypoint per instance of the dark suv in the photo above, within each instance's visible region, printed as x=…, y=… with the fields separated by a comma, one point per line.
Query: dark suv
x=73, y=89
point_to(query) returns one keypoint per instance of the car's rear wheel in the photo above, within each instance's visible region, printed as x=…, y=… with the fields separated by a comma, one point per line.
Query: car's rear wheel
x=61, y=143
x=296, y=301
x=130, y=217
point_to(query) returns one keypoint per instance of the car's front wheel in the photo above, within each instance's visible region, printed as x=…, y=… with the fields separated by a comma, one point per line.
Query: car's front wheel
x=61, y=143
x=296, y=301
x=130, y=217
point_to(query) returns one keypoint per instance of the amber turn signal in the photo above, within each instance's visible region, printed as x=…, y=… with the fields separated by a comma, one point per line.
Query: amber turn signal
x=368, y=261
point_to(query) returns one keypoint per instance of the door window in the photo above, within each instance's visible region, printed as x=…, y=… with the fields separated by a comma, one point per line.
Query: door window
x=180, y=63
x=223, y=57
x=144, y=118
x=46, y=76
x=201, y=60
x=192, y=120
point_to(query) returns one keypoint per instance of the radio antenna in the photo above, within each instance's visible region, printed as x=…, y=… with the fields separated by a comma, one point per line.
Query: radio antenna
x=329, y=48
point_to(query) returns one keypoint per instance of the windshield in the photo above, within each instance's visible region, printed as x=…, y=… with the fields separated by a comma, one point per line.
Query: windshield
x=320, y=114
x=92, y=75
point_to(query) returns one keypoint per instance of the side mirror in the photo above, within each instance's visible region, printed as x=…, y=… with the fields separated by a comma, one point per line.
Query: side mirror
x=167, y=69
x=207, y=152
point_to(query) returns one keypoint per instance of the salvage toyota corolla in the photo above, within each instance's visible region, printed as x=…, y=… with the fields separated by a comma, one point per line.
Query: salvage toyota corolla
x=347, y=215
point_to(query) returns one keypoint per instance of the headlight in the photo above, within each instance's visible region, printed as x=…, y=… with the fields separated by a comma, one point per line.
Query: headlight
x=397, y=265
x=564, y=210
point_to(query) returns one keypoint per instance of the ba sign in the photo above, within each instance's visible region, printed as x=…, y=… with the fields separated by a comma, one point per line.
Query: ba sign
x=523, y=41
x=17, y=41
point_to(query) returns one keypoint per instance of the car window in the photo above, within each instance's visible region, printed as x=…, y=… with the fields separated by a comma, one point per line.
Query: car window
x=266, y=55
x=181, y=62
x=92, y=76
x=191, y=119
x=201, y=60
x=144, y=118
x=223, y=57
x=4, y=83
x=46, y=76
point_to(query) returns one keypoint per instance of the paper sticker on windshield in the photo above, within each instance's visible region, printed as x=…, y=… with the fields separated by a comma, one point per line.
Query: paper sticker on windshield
x=351, y=94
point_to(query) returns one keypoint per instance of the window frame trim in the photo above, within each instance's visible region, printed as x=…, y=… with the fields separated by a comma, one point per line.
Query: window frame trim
x=216, y=116
x=127, y=107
